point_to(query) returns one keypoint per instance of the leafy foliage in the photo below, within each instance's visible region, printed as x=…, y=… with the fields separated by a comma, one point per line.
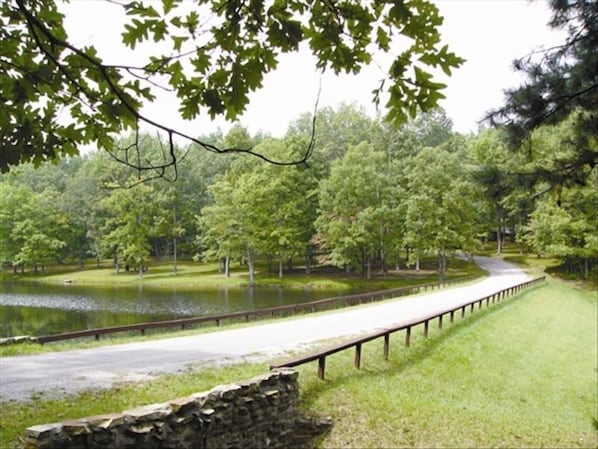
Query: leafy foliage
x=568, y=232
x=358, y=214
x=132, y=215
x=441, y=203
x=361, y=203
x=561, y=82
x=32, y=229
x=57, y=96
x=260, y=209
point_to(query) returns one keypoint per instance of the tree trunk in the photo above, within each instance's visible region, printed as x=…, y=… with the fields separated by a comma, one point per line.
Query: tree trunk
x=417, y=263
x=174, y=256
x=586, y=269
x=398, y=264
x=441, y=266
x=512, y=227
x=227, y=266
x=280, y=271
x=155, y=245
x=309, y=259
x=269, y=262
x=251, y=267
x=498, y=240
x=116, y=266
x=499, y=231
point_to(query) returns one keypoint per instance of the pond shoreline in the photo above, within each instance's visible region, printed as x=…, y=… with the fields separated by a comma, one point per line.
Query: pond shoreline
x=95, y=298
x=193, y=275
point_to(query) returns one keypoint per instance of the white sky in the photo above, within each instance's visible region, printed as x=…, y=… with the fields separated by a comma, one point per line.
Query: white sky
x=489, y=34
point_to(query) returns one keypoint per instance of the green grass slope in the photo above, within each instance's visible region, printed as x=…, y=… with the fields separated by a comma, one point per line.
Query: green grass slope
x=520, y=374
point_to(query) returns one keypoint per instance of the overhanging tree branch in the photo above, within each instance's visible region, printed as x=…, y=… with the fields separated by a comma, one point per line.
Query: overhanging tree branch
x=104, y=71
x=234, y=48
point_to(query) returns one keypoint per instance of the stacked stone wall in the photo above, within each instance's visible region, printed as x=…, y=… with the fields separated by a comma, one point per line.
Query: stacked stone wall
x=259, y=413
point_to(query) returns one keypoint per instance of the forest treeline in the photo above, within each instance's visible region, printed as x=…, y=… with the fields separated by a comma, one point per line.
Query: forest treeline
x=371, y=197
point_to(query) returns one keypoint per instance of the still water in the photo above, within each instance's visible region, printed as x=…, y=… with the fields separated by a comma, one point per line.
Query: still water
x=37, y=309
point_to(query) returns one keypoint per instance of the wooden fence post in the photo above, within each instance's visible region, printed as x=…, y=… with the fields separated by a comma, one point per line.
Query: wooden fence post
x=386, y=345
x=321, y=367
x=321, y=356
x=358, y=355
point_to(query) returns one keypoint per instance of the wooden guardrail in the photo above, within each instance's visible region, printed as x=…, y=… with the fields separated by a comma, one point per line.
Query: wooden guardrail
x=311, y=306
x=320, y=356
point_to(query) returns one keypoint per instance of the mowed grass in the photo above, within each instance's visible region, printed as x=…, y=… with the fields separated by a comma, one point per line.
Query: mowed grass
x=519, y=374
x=205, y=276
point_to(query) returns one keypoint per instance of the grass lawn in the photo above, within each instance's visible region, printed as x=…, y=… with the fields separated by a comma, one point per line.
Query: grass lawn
x=520, y=374
x=191, y=275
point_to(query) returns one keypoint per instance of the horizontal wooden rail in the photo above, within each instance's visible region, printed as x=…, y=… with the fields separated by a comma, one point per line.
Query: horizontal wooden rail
x=321, y=355
x=311, y=306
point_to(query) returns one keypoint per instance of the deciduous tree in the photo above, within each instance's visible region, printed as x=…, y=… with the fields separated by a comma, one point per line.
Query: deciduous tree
x=357, y=217
x=129, y=225
x=57, y=95
x=440, y=204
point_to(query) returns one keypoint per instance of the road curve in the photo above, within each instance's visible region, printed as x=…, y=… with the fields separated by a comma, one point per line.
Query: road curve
x=68, y=372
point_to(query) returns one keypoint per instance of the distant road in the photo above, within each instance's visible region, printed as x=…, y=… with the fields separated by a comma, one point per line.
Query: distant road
x=68, y=372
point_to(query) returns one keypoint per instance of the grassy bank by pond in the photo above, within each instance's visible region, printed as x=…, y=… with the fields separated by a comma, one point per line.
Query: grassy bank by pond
x=194, y=275
x=520, y=374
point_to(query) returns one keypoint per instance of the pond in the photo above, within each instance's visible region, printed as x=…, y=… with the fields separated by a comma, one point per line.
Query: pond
x=40, y=309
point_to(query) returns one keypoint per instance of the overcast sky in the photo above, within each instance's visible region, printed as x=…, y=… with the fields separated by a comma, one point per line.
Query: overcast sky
x=489, y=34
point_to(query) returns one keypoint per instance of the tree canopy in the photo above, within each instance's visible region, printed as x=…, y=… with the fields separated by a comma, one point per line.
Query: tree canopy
x=383, y=199
x=210, y=54
x=561, y=81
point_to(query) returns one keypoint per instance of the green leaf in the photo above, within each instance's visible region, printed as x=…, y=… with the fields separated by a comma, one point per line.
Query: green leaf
x=382, y=39
x=168, y=5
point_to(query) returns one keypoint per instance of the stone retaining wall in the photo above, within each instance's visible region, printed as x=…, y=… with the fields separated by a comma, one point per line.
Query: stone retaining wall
x=258, y=413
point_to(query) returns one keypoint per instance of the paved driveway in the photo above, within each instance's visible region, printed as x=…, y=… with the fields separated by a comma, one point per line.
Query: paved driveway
x=71, y=371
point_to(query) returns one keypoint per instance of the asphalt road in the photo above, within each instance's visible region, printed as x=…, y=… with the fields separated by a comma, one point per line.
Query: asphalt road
x=68, y=372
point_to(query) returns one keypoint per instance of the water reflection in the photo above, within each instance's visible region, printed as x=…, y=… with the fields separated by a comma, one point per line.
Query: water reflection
x=37, y=309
